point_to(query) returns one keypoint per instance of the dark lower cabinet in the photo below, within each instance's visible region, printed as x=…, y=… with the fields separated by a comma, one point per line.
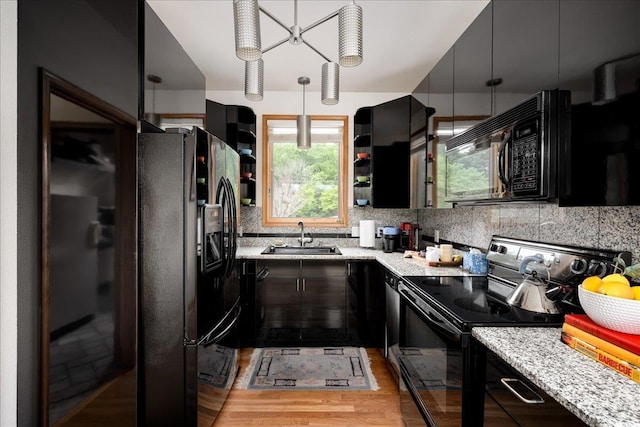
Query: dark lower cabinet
x=246, y=270
x=366, y=309
x=301, y=303
x=311, y=303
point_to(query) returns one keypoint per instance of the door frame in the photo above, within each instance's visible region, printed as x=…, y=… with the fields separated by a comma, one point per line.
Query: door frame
x=125, y=243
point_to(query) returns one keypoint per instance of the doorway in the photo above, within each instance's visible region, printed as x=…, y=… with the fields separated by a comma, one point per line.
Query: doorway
x=88, y=297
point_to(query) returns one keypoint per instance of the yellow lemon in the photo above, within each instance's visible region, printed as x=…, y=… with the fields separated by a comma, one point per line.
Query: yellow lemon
x=615, y=277
x=617, y=289
x=592, y=283
x=636, y=292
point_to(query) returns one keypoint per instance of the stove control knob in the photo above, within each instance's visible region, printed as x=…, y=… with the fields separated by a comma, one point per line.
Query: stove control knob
x=578, y=266
x=502, y=249
x=597, y=268
x=493, y=247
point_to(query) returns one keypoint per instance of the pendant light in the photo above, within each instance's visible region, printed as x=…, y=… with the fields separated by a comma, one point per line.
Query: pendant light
x=253, y=79
x=304, y=121
x=350, y=35
x=153, y=117
x=246, y=19
x=330, y=83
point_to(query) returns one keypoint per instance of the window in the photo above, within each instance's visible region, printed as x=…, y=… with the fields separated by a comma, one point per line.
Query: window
x=307, y=185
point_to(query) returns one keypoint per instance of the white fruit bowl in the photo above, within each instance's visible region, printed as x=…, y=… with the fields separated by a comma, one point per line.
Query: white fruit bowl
x=619, y=314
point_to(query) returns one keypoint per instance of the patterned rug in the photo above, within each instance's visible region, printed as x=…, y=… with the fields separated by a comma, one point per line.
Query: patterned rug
x=308, y=368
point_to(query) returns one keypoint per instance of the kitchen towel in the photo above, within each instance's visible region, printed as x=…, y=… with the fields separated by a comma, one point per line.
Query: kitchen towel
x=367, y=234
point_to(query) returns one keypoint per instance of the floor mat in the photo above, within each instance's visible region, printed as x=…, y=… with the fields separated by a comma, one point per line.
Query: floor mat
x=308, y=368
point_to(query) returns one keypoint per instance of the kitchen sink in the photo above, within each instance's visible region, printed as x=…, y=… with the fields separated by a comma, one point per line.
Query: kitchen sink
x=302, y=250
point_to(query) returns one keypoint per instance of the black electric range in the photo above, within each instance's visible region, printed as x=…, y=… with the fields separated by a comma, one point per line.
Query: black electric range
x=469, y=301
x=435, y=355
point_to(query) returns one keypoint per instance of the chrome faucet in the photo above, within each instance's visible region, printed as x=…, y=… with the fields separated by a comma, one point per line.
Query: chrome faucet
x=303, y=239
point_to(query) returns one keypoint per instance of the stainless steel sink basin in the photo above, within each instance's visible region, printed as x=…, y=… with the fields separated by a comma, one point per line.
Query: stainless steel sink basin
x=302, y=250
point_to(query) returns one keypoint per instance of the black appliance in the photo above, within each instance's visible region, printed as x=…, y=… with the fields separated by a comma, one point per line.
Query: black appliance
x=441, y=367
x=511, y=156
x=189, y=298
x=600, y=162
x=390, y=239
x=392, y=325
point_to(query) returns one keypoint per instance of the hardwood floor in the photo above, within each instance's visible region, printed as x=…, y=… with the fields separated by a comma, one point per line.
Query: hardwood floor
x=315, y=408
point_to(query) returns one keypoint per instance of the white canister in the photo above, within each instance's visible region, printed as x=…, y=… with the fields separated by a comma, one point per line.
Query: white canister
x=446, y=253
x=432, y=254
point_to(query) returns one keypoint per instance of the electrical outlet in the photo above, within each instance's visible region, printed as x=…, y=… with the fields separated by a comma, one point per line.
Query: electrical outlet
x=436, y=236
x=379, y=231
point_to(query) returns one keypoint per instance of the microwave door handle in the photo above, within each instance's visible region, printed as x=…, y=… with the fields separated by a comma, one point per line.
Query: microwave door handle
x=502, y=162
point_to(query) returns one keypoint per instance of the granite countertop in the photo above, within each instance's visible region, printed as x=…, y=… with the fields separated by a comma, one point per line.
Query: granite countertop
x=395, y=261
x=596, y=394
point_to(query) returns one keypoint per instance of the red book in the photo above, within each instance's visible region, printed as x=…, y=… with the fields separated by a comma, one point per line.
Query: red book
x=628, y=342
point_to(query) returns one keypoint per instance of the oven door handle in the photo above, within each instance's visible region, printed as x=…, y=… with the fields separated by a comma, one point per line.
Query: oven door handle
x=507, y=383
x=433, y=319
x=415, y=395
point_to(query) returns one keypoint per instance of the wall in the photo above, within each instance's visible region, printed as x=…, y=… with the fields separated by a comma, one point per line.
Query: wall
x=8, y=212
x=616, y=228
x=92, y=44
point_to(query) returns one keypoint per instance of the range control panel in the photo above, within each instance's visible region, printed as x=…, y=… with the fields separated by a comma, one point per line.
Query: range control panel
x=563, y=268
x=567, y=265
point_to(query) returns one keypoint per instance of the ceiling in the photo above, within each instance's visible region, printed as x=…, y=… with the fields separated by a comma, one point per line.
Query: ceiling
x=402, y=41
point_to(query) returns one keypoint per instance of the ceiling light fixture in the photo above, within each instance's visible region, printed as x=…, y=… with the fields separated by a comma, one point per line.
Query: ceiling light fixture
x=304, y=121
x=246, y=19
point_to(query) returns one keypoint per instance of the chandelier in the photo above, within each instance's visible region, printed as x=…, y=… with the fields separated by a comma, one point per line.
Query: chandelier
x=246, y=19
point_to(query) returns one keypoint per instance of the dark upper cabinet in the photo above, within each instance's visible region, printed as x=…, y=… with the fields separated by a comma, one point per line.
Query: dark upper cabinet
x=394, y=125
x=525, y=50
x=600, y=64
x=472, y=72
x=440, y=87
x=236, y=125
x=593, y=34
x=390, y=135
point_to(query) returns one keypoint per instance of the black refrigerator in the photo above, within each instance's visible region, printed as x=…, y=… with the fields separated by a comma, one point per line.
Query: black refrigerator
x=188, y=292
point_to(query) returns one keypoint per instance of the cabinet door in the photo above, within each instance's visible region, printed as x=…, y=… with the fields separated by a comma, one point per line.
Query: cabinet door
x=441, y=99
x=525, y=49
x=246, y=270
x=391, y=151
x=323, y=300
x=596, y=33
x=472, y=73
x=278, y=301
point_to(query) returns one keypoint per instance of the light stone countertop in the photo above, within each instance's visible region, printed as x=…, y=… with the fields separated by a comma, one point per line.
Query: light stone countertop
x=394, y=261
x=598, y=395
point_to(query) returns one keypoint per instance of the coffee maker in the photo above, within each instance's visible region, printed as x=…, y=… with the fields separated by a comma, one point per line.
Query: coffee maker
x=409, y=237
x=390, y=239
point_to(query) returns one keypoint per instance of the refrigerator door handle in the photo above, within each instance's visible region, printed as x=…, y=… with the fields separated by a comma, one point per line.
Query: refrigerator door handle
x=223, y=327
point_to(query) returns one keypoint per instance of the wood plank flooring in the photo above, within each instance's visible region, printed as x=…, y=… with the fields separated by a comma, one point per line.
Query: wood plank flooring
x=314, y=408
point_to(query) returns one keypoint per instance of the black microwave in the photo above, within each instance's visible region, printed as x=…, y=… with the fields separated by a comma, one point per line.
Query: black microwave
x=511, y=156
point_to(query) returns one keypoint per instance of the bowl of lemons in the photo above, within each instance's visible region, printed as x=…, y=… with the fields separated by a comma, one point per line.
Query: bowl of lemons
x=611, y=302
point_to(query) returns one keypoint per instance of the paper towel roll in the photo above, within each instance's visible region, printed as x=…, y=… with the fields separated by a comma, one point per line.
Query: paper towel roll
x=367, y=234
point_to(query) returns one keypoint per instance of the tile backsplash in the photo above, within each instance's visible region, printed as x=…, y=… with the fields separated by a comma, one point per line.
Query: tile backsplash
x=616, y=228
